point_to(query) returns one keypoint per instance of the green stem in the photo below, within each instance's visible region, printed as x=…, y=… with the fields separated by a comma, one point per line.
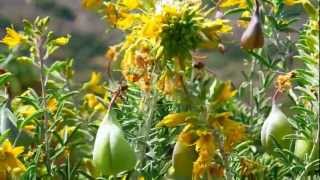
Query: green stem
x=252, y=73
x=40, y=57
x=144, y=130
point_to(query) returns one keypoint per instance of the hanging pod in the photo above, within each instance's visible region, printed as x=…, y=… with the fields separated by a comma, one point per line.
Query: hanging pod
x=252, y=37
x=182, y=161
x=275, y=127
x=112, y=154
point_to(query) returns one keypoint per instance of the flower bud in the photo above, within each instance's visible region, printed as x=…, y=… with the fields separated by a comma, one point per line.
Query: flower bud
x=252, y=37
x=112, y=154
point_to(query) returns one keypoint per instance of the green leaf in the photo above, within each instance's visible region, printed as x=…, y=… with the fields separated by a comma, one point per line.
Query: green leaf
x=4, y=78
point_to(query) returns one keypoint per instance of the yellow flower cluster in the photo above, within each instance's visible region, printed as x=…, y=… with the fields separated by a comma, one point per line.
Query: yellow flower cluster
x=10, y=165
x=201, y=134
x=95, y=89
x=148, y=39
x=233, y=131
x=283, y=82
x=12, y=38
x=205, y=147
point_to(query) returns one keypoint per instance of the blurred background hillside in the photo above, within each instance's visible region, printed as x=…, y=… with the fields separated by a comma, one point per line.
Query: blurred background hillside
x=91, y=37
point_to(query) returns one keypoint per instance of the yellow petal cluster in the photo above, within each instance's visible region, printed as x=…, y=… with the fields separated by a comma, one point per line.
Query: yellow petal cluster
x=131, y=4
x=233, y=131
x=94, y=85
x=26, y=110
x=205, y=147
x=284, y=82
x=152, y=26
x=92, y=101
x=175, y=119
x=10, y=165
x=232, y=3
x=135, y=69
x=244, y=23
x=119, y=17
x=12, y=38
x=225, y=92
x=169, y=83
x=61, y=41
x=52, y=105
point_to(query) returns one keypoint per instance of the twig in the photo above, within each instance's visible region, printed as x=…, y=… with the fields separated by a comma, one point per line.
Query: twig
x=40, y=57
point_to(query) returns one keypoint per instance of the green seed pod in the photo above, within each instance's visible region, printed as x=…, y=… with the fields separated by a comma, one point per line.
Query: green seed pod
x=182, y=161
x=252, y=37
x=112, y=153
x=304, y=147
x=275, y=126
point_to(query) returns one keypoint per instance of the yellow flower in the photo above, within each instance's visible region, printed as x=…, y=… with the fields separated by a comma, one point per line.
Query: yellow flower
x=284, y=82
x=52, y=104
x=175, y=119
x=9, y=163
x=111, y=12
x=152, y=26
x=126, y=20
x=205, y=147
x=232, y=3
x=29, y=129
x=12, y=38
x=233, y=131
x=188, y=136
x=93, y=103
x=128, y=67
x=119, y=17
x=212, y=30
x=169, y=83
x=131, y=4
x=244, y=20
x=26, y=110
x=66, y=131
x=225, y=92
x=61, y=41
x=170, y=10
x=90, y=4
x=111, y=53
x=94, y=85
x=218, y=26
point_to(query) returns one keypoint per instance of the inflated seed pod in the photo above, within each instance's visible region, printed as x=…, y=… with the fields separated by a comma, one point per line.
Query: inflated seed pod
x=302, y=147
x=252, y=37
x=112, y=153
x=182, y=161
x=306, y=147
x=275, y=126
